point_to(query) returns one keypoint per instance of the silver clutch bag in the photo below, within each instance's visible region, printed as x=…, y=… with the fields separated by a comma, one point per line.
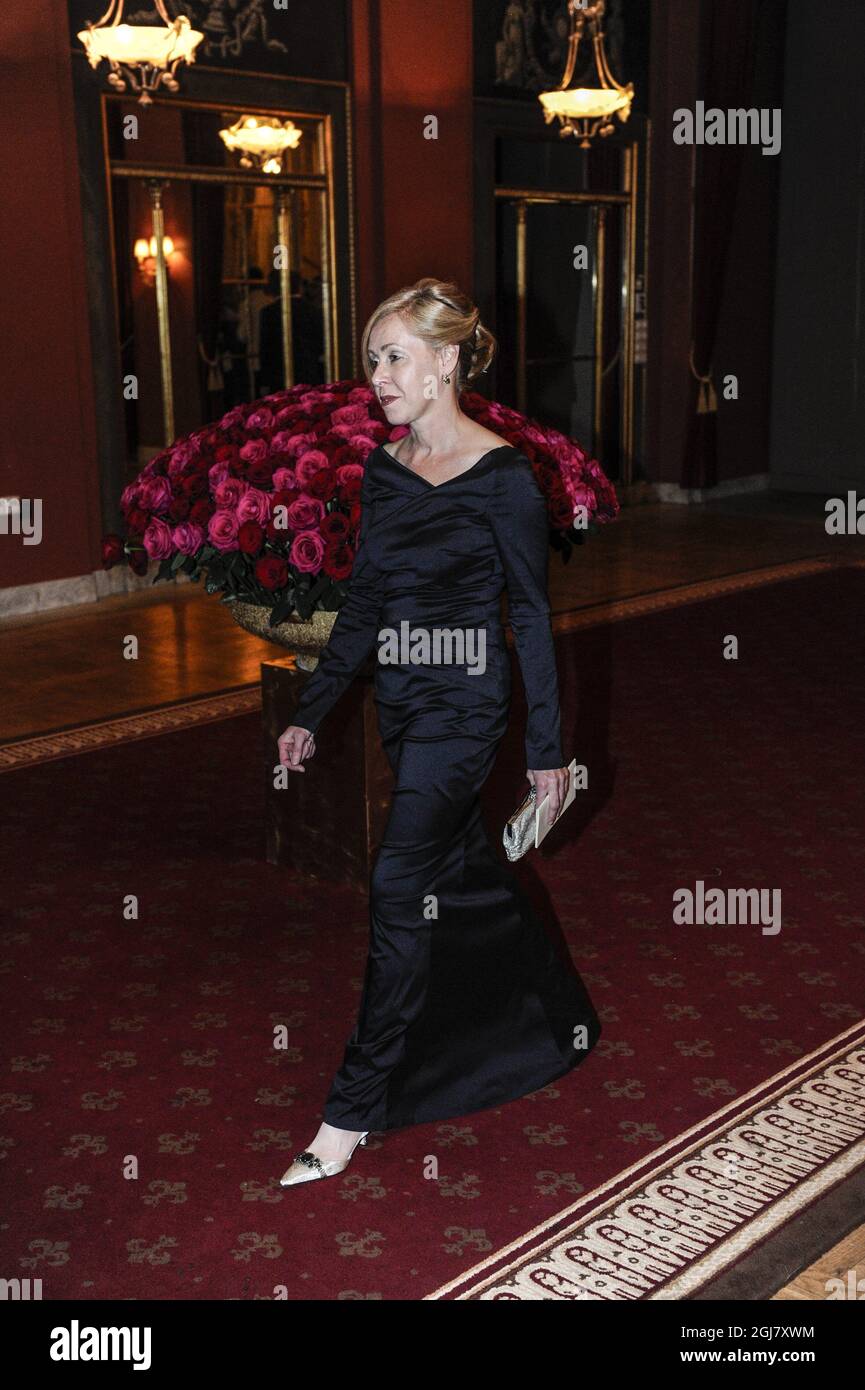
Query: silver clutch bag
x=519, y=831
x=522, y=831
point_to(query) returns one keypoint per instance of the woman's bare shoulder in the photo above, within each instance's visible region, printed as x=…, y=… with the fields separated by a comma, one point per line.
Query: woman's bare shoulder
x=483, y=438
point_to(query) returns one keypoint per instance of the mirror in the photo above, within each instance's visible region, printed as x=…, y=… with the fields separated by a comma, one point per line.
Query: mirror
x=208, y=329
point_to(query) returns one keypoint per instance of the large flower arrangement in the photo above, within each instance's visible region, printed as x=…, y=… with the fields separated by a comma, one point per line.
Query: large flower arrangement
x=266, y=503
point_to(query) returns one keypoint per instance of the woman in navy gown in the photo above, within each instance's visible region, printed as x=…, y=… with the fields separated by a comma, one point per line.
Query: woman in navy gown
x=465, y=1002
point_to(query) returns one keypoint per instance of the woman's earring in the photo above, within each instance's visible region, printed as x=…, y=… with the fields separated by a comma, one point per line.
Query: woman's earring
x=446, y=380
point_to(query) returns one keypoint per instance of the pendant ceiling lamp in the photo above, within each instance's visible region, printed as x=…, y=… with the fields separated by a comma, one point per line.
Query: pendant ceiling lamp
x=261, y=141
x=587, y=111
x=140, y=56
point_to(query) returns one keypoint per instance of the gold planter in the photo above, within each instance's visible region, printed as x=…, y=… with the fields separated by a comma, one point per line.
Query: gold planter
x=306, y=637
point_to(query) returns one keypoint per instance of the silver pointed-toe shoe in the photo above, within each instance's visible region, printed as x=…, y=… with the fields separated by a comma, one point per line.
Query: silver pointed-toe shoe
x=306, y=1166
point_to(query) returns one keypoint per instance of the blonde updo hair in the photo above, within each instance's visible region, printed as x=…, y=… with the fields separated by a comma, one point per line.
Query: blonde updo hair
x=439, y=313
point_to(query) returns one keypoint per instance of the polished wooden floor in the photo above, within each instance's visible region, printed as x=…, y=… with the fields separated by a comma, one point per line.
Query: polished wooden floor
x=811, y=1284
x=66, y=666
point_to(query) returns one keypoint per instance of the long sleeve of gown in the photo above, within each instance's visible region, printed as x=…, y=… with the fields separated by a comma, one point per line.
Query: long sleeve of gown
x=353, y=636
x=519, y=520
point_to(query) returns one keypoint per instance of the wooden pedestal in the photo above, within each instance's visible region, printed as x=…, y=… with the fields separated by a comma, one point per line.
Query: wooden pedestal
x=329, y=819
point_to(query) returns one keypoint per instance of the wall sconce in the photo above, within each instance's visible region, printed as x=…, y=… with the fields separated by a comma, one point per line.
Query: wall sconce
x=145, y=254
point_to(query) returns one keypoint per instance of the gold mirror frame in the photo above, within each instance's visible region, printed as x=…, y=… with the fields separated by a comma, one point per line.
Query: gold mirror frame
x=156, y=175
x=523, y=198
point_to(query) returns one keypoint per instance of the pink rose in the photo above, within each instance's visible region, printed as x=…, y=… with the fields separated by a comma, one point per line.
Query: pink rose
x=350, y=417
x=254, y=505
x=260, y=419
x=232, y=419
x=222, y=530
x=309, y=463
x=229, y=493
x=284, y=478
x=317, y=398
x=307, y=551
x=129, y=496
x=157, y=540
x=348, y=472
x=216, y=474
x=188, y=538
x=363, y=443
x=304, y=513
x=581, y=496
x=154, y=494
x=299, y=443
x=254, y=450
x=182, y=454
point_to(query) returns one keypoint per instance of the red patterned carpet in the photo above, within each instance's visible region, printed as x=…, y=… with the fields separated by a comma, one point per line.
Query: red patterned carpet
x=146, y=1116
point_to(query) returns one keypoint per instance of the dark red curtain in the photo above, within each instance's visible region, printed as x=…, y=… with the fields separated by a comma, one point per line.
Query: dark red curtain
x=726, y=80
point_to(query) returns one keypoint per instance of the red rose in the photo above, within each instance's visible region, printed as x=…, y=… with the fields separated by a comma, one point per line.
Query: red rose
x=322, y=484
x=561, y=510
x=112, y=550
x=338, y=560
x=180, y=508
x=271, y=571
x=284, y=496
x=201, y=511
x=193, y=485
x=557, y=488
x=277, y=535
x=138, y=561
x=250, y=538
x=137, y=521
x=260, y=472
x=335, y=526
x=341, y=455
x=350, y=490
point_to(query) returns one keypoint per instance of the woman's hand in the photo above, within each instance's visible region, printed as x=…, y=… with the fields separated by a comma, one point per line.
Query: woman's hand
x=295, y=745
x=553, y=784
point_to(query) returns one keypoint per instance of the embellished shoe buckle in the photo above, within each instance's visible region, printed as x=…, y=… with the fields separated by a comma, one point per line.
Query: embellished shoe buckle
x=311, y=1161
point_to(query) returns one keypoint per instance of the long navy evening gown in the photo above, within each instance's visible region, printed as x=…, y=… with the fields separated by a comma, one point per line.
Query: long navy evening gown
x=465, y=1001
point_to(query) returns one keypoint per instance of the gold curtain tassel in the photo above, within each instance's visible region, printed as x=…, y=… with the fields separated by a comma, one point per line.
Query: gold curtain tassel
x=707, y=398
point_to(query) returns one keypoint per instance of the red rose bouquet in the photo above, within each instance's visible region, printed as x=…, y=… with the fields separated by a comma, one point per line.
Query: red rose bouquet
x=266, y=503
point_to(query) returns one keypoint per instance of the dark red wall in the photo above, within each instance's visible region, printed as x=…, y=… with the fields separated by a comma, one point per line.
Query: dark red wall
x=414, y=199
x=47, y=427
